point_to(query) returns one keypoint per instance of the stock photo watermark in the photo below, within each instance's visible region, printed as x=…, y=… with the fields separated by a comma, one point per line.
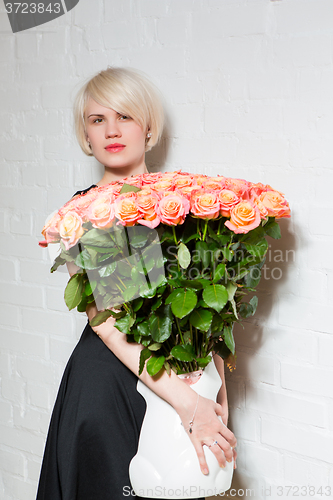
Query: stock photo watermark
x=26, y=15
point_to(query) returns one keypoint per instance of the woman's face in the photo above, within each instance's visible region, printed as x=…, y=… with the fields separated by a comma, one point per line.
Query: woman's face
x=116, y=140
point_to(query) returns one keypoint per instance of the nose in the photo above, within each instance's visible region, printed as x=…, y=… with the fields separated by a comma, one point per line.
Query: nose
x=112, y=129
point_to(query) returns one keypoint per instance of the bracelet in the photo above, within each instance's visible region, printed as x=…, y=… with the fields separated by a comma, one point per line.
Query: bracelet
x=191, y=421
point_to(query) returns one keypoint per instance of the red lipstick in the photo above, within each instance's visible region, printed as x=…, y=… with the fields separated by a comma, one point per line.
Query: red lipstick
x=115, y=148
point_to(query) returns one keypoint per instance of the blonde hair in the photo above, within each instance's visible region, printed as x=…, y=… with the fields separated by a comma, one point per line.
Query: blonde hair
x=128, y=92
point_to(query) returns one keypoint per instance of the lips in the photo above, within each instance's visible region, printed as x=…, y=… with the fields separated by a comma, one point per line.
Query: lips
x=115, y=148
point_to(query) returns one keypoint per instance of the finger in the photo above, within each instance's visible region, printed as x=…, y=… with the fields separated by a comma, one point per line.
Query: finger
x=235, y=456
x=228, y=435
x=220, y=456
x=226, y=448
x=201, y=457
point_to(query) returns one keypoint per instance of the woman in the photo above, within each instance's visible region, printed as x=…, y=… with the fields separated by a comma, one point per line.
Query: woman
x=97, y=417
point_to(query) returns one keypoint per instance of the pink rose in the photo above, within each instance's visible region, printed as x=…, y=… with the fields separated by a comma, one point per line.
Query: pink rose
x=238, y=186
x=228, y=200
x=205, y=204
x=243, y=218
x=276, y=205
x=126, y=209
x=172, y=209
x=70, y=229
x=101, y=212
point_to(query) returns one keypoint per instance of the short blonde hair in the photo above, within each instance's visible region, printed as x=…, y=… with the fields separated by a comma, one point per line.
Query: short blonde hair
x=128, y=92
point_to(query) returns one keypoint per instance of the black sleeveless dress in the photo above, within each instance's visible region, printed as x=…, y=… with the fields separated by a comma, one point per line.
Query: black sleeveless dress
x=94, y=428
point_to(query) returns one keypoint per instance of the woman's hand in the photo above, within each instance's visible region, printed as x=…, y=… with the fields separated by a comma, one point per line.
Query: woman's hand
x=208, y=428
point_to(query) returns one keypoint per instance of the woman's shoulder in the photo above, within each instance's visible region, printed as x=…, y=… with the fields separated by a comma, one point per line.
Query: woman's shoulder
x=85, y=190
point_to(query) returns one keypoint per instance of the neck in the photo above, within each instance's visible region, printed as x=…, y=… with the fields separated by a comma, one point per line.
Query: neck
x=116, y=174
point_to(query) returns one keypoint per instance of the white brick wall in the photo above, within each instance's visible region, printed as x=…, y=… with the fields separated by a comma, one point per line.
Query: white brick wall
x=248, y=91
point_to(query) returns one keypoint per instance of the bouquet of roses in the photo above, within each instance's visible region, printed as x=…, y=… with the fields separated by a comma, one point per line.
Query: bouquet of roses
x=171, y=256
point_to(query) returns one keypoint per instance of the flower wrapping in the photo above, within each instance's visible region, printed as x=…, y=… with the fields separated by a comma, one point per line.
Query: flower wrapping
x=175, y=254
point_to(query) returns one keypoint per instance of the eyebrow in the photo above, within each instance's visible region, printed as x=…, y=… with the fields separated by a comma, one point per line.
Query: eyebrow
x=94, y=115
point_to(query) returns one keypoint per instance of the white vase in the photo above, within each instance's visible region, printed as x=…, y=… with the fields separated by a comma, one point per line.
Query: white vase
x=166, y=464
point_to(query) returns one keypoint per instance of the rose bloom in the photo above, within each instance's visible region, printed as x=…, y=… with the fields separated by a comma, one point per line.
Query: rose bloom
x=183, y=181
x=83, y=203
x=126, y=209
x=146, y=203
x=163, y=185
x=70, y=229
x=262, y=209
x=172, y=209
x=150, y=178
x=205, y=205
x=238, y=186
x=101, y=213
x=213, y=185
x=200, y=179
x=277, y=206
x=50, y=231
x=228, y=200
x=188, y=190
x=243, y=218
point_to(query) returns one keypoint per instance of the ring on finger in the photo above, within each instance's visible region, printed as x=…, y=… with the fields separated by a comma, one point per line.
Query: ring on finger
x=215, y=442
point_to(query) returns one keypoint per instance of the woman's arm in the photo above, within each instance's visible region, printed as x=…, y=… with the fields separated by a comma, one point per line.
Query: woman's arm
x=206, y=428
x=222, y=398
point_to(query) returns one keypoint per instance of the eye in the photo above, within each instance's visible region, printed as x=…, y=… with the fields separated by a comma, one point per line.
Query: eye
x=124, y=117
x=97, y=120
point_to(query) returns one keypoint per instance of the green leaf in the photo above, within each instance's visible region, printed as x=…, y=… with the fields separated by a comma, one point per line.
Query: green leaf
x=144, y=355
x=74, y=291
x=203, y=362
x=259, y=249
x=83, y=304
x=90, y=287
x=144, y=328
x=184, y=256
x=253, y=277
x=254, y=303
x=196, y=284
x=154, y=365
x=100, y=317
x=127, y=188
x=124, y=324
x=97, y=237
x=129, y=293
x=219, y=272
x=227, y=253
x=155, y=347
x=201, y=319
x=231, y=289
x=272, y=228
x=203, y=252
x=161, y=324
x=183, y=352
x=216, y=296
x=107, y=270
x=229, y=338
x=184, y=302
x=137, y=303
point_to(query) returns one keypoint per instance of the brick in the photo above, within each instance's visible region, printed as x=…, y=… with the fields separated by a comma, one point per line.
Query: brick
x=300, y=314
x=7, y=270
x=256, y=368
x=221, y=119
x=120, y=10
x=38, y=395
x=21, y=295
x=39, y=272
x=10, y=316
x=60, y=350
x=260, y=461
x=156, y=58
x=53, y=43
x=120, y=34
x=13, y=389
x=90, y=13
x=2, y=222
x=7, y=46
x=33, y=469
x=305, y=472
x=30, y=419
x=55, y=96
x=302, y=17
x=26, y=46
x=49, y=69
x=55, y=300
x=320, y=225
x=244, y=424
x=285, y=406
x=20, y=223
x=146, y=8
x=25, y=342
x=172, y=30
x=20, y=150
x=23, y=99
x=35, y=370
x=13, y=462
x=47, y=323
x=5, y=414
x=300, y=440
x=187, y=121
x=308, y=379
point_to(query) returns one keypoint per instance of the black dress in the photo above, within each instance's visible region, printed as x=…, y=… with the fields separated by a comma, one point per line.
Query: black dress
x=94, y=428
